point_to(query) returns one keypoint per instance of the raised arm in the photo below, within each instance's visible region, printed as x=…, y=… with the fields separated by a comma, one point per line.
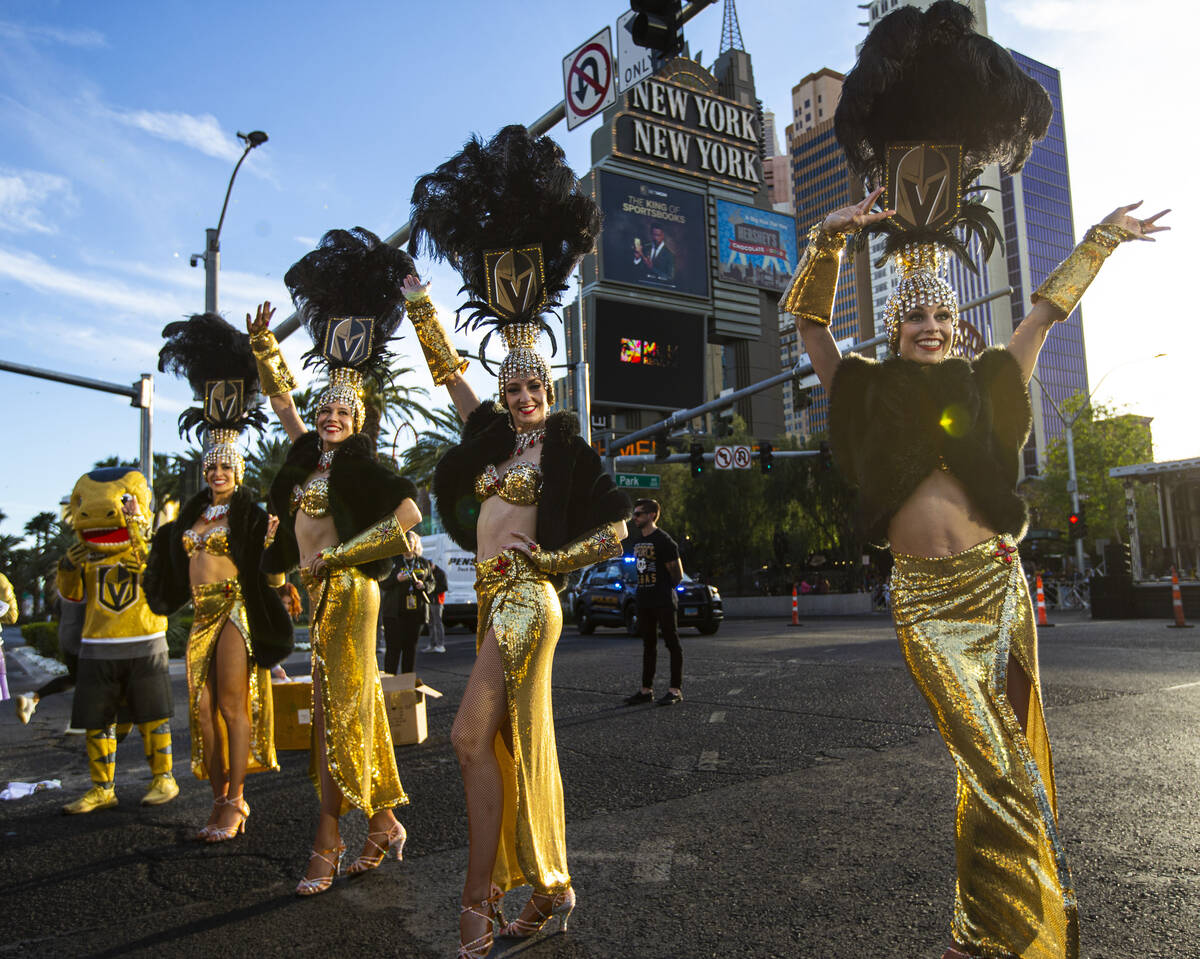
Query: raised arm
x=274, y=377
x=814, y=285
x=445, y=365
x=1062, y=290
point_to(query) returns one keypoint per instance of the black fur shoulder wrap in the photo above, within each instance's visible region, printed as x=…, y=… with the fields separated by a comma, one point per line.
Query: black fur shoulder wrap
x=362, y=491
x=577, y=495
x=168, y=585
x=890, y=421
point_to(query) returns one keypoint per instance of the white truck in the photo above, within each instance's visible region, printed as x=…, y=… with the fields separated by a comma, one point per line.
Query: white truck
x=459, y=566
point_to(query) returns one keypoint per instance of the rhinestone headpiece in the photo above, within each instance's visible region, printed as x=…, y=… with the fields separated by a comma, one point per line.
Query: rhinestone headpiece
x=523, y=360
x=221, y=447
x=346, y=386
x=921, y=284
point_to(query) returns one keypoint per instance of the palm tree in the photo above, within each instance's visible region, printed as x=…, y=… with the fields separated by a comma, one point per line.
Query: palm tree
x=40, y=527
x=443, y=430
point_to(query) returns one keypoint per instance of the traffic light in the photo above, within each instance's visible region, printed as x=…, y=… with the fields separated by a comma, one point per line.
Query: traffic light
x=661, y=448
x=766, y=456
x=697, y=457
x=826, y=457
x=1077, y=524
x=658, y=27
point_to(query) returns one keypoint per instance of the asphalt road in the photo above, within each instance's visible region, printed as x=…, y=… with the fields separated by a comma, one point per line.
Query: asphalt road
x=798, y=803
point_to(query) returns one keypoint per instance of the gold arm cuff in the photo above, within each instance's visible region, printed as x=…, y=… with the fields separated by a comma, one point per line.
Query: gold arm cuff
x=274, y=377
x=814, y=284
x=443, y=360
x=386, y=538
x=276, y=580
x=1065, y=285
x=600, y=543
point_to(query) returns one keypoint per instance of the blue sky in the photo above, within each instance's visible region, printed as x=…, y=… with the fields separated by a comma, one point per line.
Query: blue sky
x=117, y=126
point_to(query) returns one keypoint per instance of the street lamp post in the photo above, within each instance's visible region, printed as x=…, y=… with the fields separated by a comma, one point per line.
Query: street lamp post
x=1069, y=427
x=212, y=237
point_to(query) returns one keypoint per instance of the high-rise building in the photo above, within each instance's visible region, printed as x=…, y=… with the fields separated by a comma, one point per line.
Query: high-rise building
x=1039, y=232
x=777, y=167
x=821, y=182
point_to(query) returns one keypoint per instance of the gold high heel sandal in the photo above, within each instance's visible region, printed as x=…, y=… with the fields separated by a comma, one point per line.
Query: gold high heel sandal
x=561, y=907
x=479, y=947
x=225, y=833
x=203, y=832
x=396, y=836
x=331, y=857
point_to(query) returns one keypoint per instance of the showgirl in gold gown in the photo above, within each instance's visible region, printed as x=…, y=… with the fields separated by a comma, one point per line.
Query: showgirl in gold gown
x=526, y=494
x=933, y=442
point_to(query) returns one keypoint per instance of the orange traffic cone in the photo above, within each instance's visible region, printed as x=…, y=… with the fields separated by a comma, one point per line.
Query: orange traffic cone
x=1042, y=622
x=795, y=607
x=1177, y=603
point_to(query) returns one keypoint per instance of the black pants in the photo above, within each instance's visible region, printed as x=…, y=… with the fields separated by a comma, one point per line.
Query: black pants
x=649, y=622
x=400, y=642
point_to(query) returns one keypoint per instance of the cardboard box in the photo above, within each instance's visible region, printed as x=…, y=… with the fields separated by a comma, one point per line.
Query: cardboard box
x=293, y=712
x=404, y=697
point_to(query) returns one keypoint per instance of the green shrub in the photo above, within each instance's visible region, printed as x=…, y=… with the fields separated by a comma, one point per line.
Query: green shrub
x=178, y=627
x=43, y=637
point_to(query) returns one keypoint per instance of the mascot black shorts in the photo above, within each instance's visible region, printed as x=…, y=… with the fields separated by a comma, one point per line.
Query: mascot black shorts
x=139, y=688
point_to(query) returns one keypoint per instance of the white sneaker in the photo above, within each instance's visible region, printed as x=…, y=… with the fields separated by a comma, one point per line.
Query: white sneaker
x=439, y=649
x=427, y=649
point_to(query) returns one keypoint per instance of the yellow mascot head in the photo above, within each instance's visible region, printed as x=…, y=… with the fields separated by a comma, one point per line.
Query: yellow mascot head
x=96, y=509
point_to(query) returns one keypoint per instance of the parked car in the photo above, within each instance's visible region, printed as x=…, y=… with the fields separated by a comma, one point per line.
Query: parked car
x=606, y=596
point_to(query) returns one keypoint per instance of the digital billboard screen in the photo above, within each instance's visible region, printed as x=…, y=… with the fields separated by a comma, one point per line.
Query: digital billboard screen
x=756, y=247
x=654, y=236
x=646, y=357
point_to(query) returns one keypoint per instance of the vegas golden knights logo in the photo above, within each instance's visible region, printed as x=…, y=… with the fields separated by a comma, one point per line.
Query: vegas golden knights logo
x=923, y=184
x=348, y=339
x=118, y=587
x=516, y=283
x=223, y=400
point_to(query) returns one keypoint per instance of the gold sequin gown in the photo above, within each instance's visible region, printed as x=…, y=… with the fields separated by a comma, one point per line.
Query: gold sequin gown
x=216, y=604
x=958, y=619
x=521, y=606
x=344, y=609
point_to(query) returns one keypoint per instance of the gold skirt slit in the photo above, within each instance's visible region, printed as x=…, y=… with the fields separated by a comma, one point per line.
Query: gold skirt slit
x=521, y=607
x=215, y=605
x=344, y=610
x=958, y=619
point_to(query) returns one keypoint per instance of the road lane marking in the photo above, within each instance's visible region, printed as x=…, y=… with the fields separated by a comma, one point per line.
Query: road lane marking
x=708, y=761
x=734, y=691
x=1180, y=686
x=717, y=717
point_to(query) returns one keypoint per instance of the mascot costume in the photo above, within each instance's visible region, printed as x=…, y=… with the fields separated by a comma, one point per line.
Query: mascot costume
x=122, y=648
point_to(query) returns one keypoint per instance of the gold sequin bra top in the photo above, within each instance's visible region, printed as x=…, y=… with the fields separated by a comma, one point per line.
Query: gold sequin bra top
x=521, y=484
x=215, y=541
x=313, y=498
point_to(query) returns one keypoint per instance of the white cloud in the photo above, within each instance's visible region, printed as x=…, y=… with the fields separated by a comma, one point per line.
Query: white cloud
x=201, y=132
x=70, y=38
x=24, y=194
x=35, y=273
x=308, y=241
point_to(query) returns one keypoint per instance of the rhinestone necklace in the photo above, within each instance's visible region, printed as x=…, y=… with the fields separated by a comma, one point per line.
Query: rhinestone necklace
x=529, y=440
x=325, y=460
x=215, y=512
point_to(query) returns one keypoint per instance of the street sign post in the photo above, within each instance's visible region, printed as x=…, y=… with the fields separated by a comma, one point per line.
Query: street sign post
x=732, y=457
x=588, y=75
x=633, y=62
x=638, y=481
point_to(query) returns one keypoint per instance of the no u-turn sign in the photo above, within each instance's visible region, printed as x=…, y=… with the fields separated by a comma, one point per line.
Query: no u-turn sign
x=588, y=74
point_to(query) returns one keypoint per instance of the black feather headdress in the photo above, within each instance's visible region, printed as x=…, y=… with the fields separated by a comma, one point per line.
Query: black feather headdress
x=928, y=77
x=351, y=274
x=513, y=192
x=211, y=354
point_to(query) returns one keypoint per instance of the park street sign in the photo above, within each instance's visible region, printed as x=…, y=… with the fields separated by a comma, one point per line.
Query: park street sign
x=638, y=481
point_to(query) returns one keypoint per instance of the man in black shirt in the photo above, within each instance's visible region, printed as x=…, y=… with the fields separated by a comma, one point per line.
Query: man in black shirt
x=404, y=607
x=659, y=570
